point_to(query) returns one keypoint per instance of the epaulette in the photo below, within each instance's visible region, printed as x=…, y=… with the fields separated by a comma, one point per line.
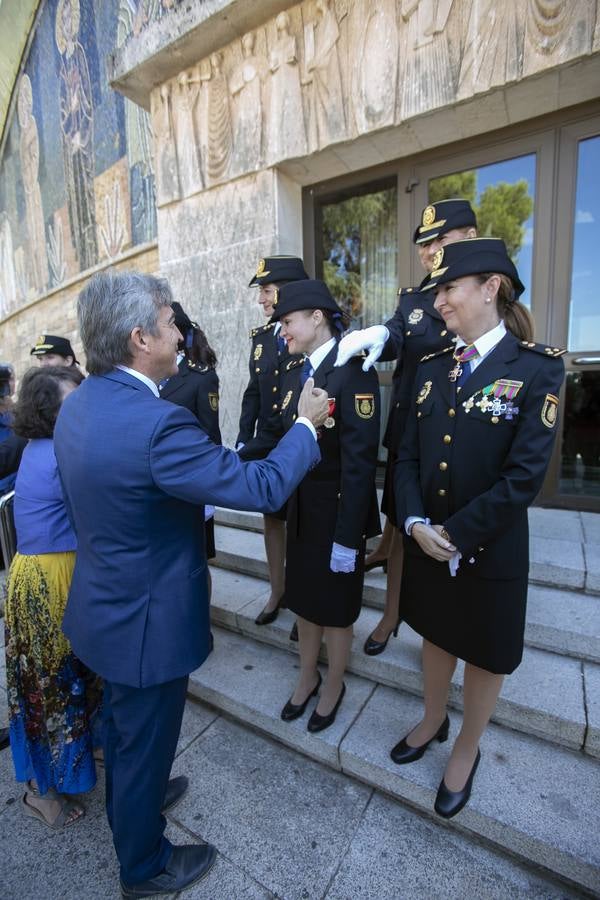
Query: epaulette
x=542, y=349
x=262, y=329
x=405, y=290
x=293, y=363
x=437, y=353
x=196, y=368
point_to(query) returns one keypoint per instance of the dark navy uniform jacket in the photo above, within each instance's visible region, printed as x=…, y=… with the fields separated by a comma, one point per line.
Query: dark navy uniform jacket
x=261, y=397
x=474, y=465
x=416, y=329
x=197, y=388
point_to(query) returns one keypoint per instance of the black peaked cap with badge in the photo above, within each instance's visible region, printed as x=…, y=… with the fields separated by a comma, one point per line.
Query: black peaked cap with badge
x=441, y=217
x=182, y=320
x=275, y=269
x=309, y=294
x=52, y=343
x=472, y=257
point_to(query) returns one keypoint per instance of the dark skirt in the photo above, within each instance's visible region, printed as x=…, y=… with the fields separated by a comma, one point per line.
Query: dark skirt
x=314, y=592
x=479, y=620
x=209, y=529
x=388, y=499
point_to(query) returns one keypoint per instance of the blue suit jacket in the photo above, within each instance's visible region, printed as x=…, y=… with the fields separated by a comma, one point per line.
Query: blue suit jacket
x=135, y=469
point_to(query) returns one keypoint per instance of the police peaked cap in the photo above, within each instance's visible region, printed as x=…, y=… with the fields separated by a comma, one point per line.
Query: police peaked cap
x=308, y=294
x=182, y=320
x=472, y=257
x=438, y=218
x=273, y=269
x=52, y=343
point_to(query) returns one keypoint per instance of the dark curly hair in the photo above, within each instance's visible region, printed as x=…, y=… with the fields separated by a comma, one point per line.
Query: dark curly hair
x=40, y=398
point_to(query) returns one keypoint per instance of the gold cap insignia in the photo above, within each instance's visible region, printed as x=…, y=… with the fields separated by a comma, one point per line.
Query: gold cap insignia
x=41, y=339
x=438, y=258
x=213, y=400
x=364, y=404
x=275, y=299
x=415, y=316
x=424, y=392
x=550, y=411
x=260, y=268
x=428, y=216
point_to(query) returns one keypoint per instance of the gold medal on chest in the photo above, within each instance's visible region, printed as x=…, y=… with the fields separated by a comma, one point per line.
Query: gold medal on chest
x=329, y=422
x=415, y=316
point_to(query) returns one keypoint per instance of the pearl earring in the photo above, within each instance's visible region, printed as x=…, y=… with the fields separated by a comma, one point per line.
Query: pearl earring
x=488, y=299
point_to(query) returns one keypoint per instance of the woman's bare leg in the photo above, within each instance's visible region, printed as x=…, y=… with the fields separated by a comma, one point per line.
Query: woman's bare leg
x=389, y=620
x=438, y=668
x=338, y=642
x=274, y=533
x=309, y=644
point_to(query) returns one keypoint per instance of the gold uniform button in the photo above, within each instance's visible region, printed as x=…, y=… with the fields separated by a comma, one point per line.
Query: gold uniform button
x=339, y=496
x=408, y=333
x=276, y=372
x=443, y=466
x=274, y=390
x=274, y=406
x=451, y=413
x=442, y=492
x=495, y=420
x=257, y=370
x=447, y=439
x=397, y=406
x=443, y=333
x=419, y=414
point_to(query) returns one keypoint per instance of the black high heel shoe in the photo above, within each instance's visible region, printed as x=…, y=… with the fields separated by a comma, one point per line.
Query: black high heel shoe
x=402, y=753
x=293, y=711
x=373, y=647
x=375, y=565
x=449, y=803
x=319, y=723
x=265, y=618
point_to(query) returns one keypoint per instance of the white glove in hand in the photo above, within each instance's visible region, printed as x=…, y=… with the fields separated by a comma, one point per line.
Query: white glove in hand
x=343, y=559
x=372, y=339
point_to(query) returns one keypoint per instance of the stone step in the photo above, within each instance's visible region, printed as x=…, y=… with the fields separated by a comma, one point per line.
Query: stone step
x=531, y=799
x=546, y=696
x=566, y=622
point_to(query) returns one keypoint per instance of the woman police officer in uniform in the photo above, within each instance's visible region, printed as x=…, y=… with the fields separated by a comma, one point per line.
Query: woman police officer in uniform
x=415, y=329
x=334, y=509
x=474, y=456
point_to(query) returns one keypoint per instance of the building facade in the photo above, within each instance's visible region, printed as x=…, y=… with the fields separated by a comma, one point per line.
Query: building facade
x=193, y=139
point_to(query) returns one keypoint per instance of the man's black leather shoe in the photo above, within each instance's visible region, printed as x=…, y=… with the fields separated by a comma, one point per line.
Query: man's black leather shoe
x=176, y=788
x=188, y=864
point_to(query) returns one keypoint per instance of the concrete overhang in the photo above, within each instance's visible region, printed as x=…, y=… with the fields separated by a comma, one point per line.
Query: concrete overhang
x=189, y=33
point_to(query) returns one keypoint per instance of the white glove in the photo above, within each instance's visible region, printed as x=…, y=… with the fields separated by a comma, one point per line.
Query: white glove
x=343, y=559
x=372, y=339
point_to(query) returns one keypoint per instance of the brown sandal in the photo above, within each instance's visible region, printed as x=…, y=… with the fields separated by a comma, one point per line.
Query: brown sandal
x=67, y=808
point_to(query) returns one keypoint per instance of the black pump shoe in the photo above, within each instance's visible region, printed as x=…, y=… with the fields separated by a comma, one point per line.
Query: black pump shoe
x=293, y=711
x=402, y=753
x=373, y=647
x=449, y=803
x=319, y=723
x=265, y=618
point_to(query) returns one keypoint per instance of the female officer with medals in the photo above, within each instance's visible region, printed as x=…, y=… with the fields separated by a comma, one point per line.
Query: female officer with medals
x=334, y=509
x=474, y=456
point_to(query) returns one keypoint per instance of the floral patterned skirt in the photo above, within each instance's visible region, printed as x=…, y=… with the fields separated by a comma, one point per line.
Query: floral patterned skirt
x=53, y=699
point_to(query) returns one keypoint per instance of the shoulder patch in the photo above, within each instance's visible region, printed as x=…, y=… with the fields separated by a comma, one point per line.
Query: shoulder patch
x=405, y=290
x=542, y=349
x=437, y=353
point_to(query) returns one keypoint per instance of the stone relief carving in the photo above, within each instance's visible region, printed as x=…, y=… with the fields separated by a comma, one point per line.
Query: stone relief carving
x=286, y=128
x=185, y=97
x=375, y=63
x=427, y=79
x=493, y=49
x=219, y=121
x=167, y=173
x=30, y=161
x=8, y=276
x=327, y=121
x=246, y=87
x=556, y=30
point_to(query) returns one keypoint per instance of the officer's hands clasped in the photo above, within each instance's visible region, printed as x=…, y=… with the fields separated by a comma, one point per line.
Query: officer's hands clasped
x=431, y=542
x=313, y=403
x=372, y=339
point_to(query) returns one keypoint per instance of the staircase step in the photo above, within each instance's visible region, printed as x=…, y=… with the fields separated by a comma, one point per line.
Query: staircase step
x=532, y=799
x=566, y=622
x=545, y=696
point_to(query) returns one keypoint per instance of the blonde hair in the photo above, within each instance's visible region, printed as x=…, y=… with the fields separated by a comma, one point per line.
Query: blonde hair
x=517, y=317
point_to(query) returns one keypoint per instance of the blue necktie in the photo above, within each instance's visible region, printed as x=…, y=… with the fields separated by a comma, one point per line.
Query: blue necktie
x=307, y=371
x=281, y=343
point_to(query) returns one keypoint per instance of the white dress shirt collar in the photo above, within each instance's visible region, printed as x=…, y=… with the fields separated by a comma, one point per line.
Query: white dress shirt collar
x=143, y=378
x=486, y=343
x=318, y=355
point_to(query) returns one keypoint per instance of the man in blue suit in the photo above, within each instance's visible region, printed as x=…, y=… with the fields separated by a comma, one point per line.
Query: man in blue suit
x=136, y=472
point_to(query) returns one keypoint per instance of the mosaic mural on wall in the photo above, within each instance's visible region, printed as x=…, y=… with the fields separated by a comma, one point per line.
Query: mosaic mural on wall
x=76, y=178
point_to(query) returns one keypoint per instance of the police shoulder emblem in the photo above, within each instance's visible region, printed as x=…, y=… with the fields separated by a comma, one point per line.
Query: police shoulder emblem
x=424, y=392
x=428, y=216
x=364, y=405
x=287, y=399
x=258, y=352
x=550, y=411
x=438, y=258
x=415, y=316
x=213, y=400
